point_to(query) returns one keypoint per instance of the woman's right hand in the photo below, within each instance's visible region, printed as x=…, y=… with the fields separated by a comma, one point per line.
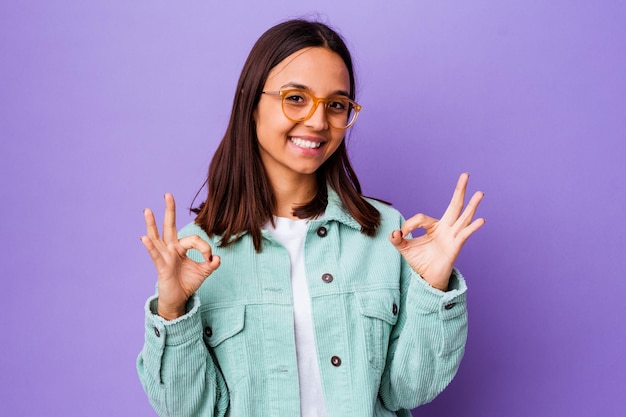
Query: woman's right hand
x=178, y=276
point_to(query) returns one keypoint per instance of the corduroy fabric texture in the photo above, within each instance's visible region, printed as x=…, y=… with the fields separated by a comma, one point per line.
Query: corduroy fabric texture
x=386, y=341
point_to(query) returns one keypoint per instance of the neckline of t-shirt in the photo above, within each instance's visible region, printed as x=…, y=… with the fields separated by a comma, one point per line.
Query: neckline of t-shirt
x=287, y=223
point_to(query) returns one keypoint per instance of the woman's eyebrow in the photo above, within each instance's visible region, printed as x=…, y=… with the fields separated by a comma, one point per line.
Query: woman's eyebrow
x=294, y=85
x=304, y=87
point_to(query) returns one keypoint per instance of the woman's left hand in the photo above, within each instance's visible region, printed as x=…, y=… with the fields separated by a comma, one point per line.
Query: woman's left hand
x=433, y=254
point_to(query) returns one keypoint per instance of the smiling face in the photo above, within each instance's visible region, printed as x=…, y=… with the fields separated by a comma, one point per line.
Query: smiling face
x=296, y=150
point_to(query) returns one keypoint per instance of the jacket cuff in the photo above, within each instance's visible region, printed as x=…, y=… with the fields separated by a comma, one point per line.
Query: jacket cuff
x=161, y=332
x=448, y=304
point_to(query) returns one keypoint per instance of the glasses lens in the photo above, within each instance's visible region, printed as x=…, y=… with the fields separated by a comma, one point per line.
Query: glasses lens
x=340, y=112
x=297, y=104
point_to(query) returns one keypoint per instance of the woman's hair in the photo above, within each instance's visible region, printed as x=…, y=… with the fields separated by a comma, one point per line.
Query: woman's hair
x=240, y=198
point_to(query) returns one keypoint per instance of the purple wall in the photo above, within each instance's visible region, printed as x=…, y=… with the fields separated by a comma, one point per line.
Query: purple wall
x=104, y=106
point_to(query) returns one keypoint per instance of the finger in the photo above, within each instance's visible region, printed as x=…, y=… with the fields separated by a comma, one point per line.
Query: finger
x=456, y=203
x=468, y=214
x=215, y=263
x=469, y=230
x=419, y=221
x=151, y=227
x=207, y=268
x=169, y=221
x=156, y=256
x=199, y=244
x=397, y=239
x=211, y=262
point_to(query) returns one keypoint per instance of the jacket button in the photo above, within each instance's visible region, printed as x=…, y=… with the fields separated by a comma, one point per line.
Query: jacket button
x=208, y=331
x=335, y=360
x=449, y=306
x=157, y=332
x=327, y=278
x=322, y=232
x=394, y=309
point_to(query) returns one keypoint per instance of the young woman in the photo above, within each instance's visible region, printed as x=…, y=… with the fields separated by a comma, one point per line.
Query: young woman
x=291, y=294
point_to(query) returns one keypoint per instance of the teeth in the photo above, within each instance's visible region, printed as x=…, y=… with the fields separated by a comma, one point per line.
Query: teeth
x=306, y=143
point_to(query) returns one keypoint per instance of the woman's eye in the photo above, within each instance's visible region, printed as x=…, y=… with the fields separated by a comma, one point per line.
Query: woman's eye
x=338, y=105
x=295, y=98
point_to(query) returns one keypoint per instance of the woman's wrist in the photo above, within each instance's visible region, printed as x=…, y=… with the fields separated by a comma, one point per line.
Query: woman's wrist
x=170, y=313
x=439, y=287
x=441, y=284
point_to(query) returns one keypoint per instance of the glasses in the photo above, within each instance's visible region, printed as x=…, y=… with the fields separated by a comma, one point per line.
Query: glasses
x=299, y=105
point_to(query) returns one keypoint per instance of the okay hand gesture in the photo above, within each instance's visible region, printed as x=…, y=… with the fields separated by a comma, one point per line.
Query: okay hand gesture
x=179, y=277
x=433, y=254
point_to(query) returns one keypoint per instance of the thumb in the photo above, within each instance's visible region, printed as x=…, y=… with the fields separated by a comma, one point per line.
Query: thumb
x=209, y=266
x=214, y=262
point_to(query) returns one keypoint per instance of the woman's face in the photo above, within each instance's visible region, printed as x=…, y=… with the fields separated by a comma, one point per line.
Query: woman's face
x=290, y=149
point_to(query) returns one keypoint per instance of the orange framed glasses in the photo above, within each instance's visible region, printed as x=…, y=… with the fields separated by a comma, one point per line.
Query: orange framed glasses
x=299, y=105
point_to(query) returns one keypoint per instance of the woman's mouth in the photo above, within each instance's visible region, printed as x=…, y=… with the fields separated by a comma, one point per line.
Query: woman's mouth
x=303, y=143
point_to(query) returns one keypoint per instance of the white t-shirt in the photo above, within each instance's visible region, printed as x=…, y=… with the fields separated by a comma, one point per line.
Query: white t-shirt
x=291, y=233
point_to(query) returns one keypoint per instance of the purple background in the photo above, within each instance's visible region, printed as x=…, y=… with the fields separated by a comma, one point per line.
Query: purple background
x=106, y=105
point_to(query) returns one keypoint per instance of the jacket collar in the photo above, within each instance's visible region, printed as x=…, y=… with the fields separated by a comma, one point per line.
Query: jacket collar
x=335, y=211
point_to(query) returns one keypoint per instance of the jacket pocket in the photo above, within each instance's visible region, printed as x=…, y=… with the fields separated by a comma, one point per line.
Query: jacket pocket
x=380, y=313
x=223, y=334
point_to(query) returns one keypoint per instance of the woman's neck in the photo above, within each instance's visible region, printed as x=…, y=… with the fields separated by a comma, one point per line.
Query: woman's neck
x=290, y=193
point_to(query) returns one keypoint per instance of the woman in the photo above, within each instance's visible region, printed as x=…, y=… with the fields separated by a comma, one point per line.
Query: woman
x=285, y=297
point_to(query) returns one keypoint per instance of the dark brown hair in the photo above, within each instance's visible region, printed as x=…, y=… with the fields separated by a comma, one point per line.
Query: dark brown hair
x=240, y=198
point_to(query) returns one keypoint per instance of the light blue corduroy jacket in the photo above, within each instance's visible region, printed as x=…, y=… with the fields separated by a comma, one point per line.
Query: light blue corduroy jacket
x=386, y=341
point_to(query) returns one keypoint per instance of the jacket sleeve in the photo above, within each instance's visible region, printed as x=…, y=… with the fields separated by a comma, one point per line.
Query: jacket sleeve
x=176, y=368
x=427, y=342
